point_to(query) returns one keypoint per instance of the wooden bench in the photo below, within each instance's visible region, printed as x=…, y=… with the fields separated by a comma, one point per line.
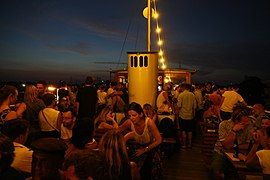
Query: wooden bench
x=210, y=136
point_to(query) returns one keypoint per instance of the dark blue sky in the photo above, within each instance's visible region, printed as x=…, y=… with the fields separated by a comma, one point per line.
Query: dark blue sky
x=52, y=40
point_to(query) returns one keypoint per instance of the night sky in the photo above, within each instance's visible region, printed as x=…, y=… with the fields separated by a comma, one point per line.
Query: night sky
x=224, y=40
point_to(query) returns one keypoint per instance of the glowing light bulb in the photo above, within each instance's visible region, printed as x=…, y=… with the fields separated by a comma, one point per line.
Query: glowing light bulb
x=163, y=66
x=158, y=30
x=51, y=88
x=162, y=60
x=160, y=42
x=160, y=53
x=155, y=15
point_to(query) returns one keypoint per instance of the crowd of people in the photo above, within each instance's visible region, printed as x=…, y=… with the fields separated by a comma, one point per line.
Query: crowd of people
x=96, y=133
x=225, y=111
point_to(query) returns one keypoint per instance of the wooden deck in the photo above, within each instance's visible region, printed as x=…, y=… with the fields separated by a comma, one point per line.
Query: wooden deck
x=186, y=164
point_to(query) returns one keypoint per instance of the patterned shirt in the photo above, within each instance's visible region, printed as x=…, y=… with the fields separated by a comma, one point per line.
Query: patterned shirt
x=225, y=127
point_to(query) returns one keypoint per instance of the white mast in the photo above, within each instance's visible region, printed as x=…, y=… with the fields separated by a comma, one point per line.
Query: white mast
x=149, y=26
x=143, y=69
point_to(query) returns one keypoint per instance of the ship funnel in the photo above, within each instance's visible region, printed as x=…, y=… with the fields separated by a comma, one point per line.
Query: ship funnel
x=142, y=77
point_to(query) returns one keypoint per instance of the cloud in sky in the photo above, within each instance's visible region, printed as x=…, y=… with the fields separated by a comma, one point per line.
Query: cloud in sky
x=82, y=48
x=244, y=58
x=221, y=39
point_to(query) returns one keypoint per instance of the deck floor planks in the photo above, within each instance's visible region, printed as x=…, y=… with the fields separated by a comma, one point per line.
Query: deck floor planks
x=186, y=164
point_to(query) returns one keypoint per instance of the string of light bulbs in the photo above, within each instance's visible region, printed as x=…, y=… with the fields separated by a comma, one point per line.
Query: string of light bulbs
x=160, y=42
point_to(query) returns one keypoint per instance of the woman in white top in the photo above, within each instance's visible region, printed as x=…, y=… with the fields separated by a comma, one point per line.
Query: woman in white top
x=147, y=138
x=143, y=129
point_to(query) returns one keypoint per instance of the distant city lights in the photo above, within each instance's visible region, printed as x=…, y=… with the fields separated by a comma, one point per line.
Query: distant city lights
x=51, y=88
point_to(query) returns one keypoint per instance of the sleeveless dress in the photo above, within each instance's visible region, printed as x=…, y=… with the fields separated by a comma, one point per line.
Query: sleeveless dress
x=150, y=163
x=145, y=137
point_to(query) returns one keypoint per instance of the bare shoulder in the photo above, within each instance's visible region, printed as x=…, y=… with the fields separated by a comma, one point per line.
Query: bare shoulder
x=151, y=123
x=11, y=115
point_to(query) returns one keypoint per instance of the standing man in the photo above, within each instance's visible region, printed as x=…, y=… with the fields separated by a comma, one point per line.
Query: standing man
x=229, y=99
x=86, y=100
x=186, y=103
x=41, y=87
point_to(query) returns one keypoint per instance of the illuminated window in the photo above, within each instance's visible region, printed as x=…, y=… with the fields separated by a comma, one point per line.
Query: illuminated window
x=145, y=61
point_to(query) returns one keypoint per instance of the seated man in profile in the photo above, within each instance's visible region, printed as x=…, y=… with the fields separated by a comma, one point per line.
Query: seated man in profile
x=233, y=132
x=17, y=131
x=6, y=159
x=86, y=164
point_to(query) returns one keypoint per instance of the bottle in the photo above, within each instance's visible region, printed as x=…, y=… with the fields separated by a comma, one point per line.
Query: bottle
x=235, y=148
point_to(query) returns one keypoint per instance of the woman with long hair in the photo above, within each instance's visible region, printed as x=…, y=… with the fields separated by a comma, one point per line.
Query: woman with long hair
x=143, y=129
x=105, y=119
x=30, y=109
x=114, y=148
x=147, y=137
x=150, y=112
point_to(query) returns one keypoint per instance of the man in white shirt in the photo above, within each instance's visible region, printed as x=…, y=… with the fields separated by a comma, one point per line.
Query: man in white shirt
x=228, y=101
x=102, y=98
x=110, y=93
x=17, y=131
x=67, y=125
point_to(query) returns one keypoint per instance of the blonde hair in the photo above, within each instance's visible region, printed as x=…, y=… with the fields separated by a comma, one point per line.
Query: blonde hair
x=31, y=93
x=102, y=115
x=149, y=111
x=114, y=148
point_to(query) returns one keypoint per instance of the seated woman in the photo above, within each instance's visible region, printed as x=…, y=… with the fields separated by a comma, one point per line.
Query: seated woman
x=82, y=137
x=105, y=119
x=150, y=112
x=114, y=148
x=8, y=96
x=104, y=122
x=118, y=104
x=145, y=133
x=260, y=159
x=264, y=124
